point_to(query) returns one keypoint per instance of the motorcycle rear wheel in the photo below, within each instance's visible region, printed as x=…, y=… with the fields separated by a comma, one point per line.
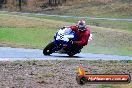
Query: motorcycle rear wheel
x=71, y=54
x=49, y=49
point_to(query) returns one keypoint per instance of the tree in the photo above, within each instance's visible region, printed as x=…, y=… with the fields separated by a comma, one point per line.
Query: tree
x=1, y=2
x=50, y=1
x=56, y=2
x=20, y=5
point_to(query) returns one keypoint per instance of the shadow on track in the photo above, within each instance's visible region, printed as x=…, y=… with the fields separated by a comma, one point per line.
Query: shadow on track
x=63, y=56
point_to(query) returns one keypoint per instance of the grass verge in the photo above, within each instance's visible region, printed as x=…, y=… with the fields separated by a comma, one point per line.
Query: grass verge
x=26, y=37
x=124, y=25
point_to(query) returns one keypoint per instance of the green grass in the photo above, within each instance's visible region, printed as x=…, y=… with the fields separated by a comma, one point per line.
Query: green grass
x=98, y=8
x=32, y=37
x=30, y=31
x=124, y=25
x=106, y=50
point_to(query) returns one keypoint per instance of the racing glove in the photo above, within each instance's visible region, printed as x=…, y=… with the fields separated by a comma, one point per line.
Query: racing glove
x=71, y=42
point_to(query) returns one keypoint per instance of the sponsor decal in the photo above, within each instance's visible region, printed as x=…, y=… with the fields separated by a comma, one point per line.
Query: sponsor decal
x=82, y=77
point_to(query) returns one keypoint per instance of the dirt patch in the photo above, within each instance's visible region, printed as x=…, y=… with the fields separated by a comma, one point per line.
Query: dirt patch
x=55, y=73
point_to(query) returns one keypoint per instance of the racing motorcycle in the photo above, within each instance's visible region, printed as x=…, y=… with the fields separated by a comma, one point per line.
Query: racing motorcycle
x=62, y=42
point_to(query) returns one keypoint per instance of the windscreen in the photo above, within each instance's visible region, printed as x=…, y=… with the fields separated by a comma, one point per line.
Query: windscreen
x=67, y=31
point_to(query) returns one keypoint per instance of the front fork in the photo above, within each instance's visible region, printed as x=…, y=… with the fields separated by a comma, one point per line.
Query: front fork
x=57, y=46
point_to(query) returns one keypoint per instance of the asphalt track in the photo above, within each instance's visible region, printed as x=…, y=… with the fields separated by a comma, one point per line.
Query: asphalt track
x=9, y=54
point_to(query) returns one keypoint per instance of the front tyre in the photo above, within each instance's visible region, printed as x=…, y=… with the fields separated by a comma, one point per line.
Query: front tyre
x=49, y=49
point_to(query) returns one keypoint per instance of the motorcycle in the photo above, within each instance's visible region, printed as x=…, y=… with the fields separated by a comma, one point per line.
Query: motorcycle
x=62, y=42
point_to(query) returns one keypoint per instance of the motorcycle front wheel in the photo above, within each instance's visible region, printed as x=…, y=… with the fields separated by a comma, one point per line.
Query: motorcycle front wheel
x=49, y=49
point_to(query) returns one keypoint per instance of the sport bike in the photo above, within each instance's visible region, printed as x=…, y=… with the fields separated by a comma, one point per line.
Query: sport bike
x=62, y=43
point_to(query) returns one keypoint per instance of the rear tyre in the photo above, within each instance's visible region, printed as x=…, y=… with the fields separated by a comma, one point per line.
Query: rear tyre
x=71, y=54
x=49, y=49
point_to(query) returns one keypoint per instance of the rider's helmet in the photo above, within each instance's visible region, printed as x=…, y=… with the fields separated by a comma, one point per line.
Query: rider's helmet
x=81, y=25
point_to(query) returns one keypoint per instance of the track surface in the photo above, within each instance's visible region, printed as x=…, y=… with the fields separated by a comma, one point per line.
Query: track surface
x=7, y=53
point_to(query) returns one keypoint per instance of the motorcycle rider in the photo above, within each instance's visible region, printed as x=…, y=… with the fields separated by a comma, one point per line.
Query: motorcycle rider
x=83, y=34
x=74, y=44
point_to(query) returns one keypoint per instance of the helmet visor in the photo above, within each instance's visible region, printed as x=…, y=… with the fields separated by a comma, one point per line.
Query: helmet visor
x=81, y=27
